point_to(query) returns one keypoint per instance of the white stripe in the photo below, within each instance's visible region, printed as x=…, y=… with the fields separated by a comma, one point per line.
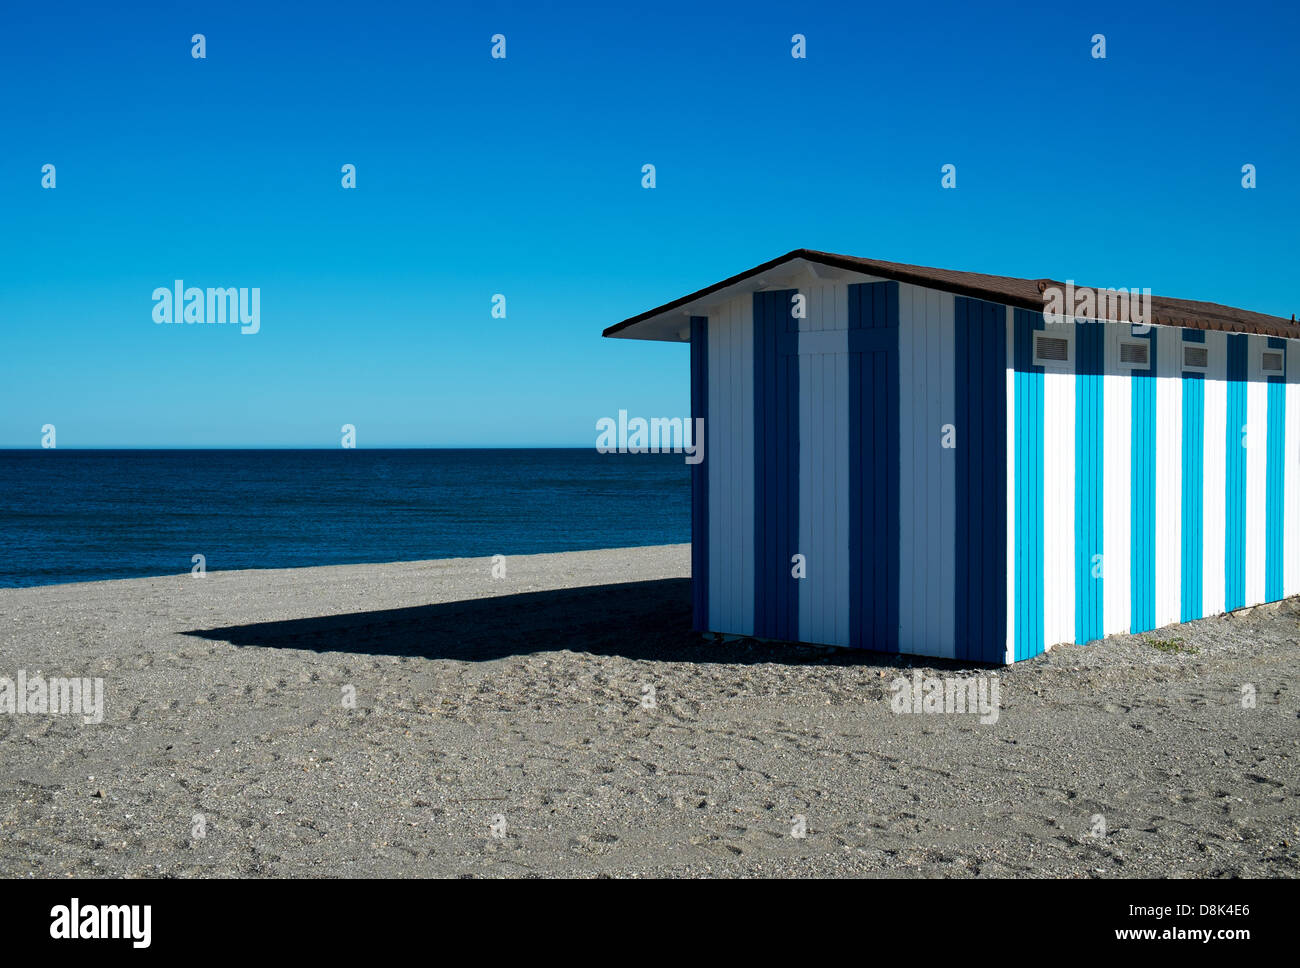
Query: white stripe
x=824, y=465
x=1169, y=476
x=1117, y=489
x=1215, y=528
x=730, y=434
x=1291, y=511
x=927, y=518
x=1059, y=486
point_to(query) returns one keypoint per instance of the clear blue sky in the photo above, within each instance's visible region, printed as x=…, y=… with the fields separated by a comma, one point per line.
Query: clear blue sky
x=523, y=176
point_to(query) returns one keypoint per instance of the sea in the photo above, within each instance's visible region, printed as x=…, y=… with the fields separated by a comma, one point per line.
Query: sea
x=87, y=515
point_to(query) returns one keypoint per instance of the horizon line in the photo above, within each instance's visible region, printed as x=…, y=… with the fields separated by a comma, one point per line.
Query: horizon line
x=23, y=449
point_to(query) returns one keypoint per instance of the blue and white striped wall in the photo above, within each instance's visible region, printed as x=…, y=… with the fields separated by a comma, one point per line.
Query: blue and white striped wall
x=1146, y=497
x=1079, y=501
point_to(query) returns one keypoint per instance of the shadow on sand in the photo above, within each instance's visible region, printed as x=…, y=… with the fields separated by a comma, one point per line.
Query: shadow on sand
x=648, y=620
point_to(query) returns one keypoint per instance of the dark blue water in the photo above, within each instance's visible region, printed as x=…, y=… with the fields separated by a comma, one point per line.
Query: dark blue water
x=82, y=515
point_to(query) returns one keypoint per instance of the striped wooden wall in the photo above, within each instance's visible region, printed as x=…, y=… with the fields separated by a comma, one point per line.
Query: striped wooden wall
x=1186, y=483
x=1087, y=499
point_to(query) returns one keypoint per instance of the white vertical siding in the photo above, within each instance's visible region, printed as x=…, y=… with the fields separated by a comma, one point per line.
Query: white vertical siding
x=1213, y=591
x=1256, y=469
x=927, y=473
x=1169, y=476
x=824, y=468
x=1058, y=499
x=828, y=306
x=1117, y=488
x=1291, y=498
x=731, y=467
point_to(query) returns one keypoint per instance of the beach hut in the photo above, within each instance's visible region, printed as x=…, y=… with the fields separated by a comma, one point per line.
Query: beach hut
x=980, y=467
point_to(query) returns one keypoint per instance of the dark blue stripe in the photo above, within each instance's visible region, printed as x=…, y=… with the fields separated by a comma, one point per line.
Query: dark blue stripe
x=1142, y=512
x=1234, y=552
x=1275, y=497
x=1193, y=505
x=1089, y=450
x=700, y=475
x=776, y=466
x=873, y=466
x=980, y=350
x=1029, y=487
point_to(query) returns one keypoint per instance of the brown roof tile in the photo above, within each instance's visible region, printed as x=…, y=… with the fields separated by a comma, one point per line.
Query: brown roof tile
x=1009, y=290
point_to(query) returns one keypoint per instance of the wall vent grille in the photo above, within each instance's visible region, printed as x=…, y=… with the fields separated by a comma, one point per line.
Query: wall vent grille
x=1052, y=349
x=1135, y=354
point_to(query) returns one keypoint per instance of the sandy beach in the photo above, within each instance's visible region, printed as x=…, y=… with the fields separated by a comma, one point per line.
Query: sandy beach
x=428, y=719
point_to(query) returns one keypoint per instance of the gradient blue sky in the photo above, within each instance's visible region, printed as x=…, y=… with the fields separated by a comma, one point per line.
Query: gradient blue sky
x=522, y=176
